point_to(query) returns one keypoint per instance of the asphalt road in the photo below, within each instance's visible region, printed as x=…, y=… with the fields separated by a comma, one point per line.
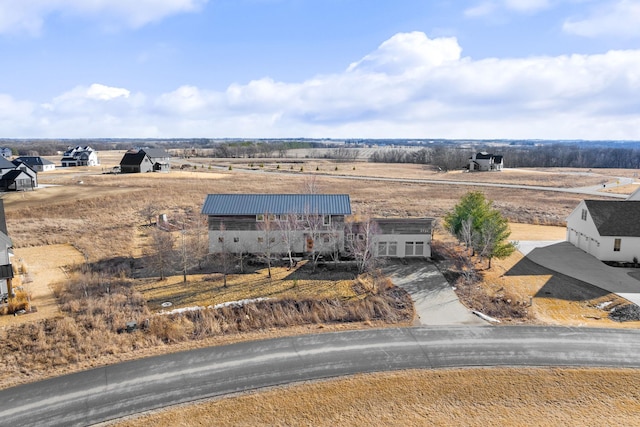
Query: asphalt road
x=118, y=390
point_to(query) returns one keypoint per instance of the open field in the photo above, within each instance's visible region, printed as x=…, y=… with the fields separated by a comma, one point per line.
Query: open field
x=87, y=216
x=471, y=397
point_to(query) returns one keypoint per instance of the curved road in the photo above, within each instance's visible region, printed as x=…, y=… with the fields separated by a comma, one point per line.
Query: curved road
x=118, y=390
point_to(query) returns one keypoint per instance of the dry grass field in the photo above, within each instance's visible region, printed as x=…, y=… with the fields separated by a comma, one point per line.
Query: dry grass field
x=471, y=397
x=85, y=216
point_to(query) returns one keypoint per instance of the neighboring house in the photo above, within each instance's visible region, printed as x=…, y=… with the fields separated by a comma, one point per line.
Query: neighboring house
x=6, y=252
x=145, y=160
x=37, y=163
x=237, y=223
x=5, y=152
x=6, y=165
x=16, y=180
x=484, y=162
x=28, y=170
x=80, y=156
x=607, y=229
x=16, y=176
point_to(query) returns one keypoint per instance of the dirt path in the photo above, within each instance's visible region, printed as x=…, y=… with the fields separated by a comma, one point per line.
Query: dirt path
x=43, y=264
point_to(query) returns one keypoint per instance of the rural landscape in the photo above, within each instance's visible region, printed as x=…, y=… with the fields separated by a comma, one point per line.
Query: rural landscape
x=114, y=266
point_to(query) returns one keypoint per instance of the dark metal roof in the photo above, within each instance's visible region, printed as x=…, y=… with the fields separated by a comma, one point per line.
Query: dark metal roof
x=34, y=160
x=134, y=158
x=615, y=217
x=277, y=204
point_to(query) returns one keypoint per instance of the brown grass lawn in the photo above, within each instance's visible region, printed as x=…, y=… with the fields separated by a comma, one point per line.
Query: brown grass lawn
x=206, y=290
x=469, y=397
x=92, y=216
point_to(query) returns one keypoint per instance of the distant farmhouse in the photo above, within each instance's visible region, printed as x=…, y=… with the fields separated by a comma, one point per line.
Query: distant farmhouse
x=607, y=229
x=37, y=163
x=80, y=156
x=145, y=160
x=6, y=252
x=236, y=224
x=5, y=152
x=17, y=176
x=485, y=162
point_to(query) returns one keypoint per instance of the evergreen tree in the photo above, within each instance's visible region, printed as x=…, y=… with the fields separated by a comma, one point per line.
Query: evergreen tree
x=480, y=226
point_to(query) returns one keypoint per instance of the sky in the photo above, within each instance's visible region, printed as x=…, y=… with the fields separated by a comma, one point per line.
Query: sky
x=420, y=69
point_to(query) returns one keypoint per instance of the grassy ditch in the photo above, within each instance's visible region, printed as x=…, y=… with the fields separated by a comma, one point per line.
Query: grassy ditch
x=96, y=309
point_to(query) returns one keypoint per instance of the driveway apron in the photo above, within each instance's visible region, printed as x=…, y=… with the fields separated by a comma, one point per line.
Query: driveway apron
x=434, y=300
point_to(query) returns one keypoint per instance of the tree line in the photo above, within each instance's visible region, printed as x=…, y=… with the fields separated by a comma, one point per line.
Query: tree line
x=451, y=157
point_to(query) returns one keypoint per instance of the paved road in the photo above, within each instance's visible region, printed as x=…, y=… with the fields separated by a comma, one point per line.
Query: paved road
x=115, y=391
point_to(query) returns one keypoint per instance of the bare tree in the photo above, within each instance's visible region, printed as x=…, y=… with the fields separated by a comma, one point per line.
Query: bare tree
x=310, y=185
x=223, y=254
x=160, y=251
x=149, y=212
x=313, y=226
x=467, y=234
x=267, y=239
x=361, y=241
x=198, y=243
x=290, y=226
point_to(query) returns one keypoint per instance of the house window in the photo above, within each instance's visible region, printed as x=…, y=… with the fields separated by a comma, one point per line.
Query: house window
x=393, y=249
x=260, y=218
x=382, y=248
x=221, y=239
x=350, y=237
x=326, y=239
x=584, y=214
x=616, y=245
x=236, y=239
x=272, y=240
x=260, y=239
x=408, y=249
x=419, y=250
x=326, y=220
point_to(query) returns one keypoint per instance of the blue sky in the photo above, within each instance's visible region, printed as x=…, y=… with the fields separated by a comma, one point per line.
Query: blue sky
x=550, y=69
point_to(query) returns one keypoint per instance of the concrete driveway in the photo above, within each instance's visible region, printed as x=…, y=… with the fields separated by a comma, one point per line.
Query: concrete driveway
x=566, y=259
x=434, y=300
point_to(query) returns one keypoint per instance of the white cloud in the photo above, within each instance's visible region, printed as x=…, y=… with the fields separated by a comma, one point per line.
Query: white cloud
x=489, y=7
x=406, y=51
x=20, y=16
x=411, y=86
x=526, y=6
x=615, y=18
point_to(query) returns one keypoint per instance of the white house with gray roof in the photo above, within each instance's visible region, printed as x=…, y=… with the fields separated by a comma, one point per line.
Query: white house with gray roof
x=37, y=163
x=607, y=229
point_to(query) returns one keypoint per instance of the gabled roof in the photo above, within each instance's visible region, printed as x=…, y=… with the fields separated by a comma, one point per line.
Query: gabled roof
x=34, y=160
x=615, y=217
x=277, y=204
x=155, y=153
x=13, y=174
x=6, y=164
x=133, y=158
